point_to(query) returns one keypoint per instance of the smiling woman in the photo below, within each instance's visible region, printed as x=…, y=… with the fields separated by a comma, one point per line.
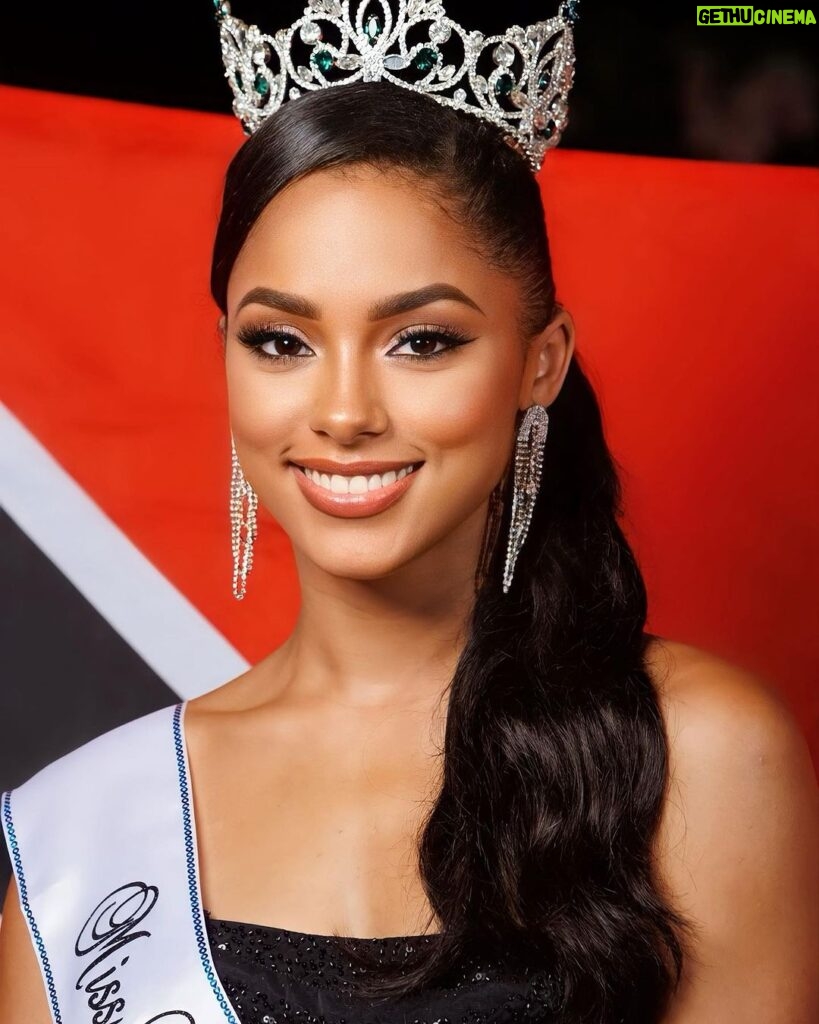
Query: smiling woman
x=352, y=488
x=469, y=786
x=365, y=366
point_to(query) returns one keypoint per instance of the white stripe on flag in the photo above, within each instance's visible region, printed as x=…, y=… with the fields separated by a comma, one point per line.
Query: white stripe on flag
x=168, y=632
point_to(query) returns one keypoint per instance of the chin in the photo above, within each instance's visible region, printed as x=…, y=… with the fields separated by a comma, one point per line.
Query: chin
x=375, y=557
x=354, y=569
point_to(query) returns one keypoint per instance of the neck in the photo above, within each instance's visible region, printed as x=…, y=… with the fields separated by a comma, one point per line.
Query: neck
x=392, y=641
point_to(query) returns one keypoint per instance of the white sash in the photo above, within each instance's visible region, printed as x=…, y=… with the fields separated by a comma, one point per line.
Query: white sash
x=103, y=845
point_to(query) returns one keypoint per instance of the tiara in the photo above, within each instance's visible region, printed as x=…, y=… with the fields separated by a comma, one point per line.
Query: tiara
x=519, y=80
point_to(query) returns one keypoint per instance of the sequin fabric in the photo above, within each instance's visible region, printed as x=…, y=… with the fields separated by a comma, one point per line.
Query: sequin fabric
x=277, y=976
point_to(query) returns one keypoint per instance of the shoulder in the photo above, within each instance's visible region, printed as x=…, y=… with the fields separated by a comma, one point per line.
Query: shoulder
x=734, y=745
x=738, y=841
x=716, y=711
x=740, y=769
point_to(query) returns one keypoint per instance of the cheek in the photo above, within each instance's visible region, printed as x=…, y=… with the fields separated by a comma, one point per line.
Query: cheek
x=261, y=408
x=469, y=412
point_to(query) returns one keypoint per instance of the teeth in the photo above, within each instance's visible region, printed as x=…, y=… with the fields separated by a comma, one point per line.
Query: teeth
x=339, y=484
x=358, y=485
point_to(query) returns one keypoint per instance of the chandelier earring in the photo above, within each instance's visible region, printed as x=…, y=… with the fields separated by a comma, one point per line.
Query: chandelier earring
x=243, y=504
x=529, y=449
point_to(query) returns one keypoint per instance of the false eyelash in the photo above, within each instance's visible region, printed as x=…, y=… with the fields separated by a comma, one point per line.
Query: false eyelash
x=452, y=337
x=253, y=337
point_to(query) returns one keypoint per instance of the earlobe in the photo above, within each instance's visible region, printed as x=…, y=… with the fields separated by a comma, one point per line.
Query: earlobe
x=221, y=327
x=547, y=361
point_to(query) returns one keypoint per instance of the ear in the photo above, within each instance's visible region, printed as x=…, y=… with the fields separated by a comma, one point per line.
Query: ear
x=548, y=356
x=222, y=328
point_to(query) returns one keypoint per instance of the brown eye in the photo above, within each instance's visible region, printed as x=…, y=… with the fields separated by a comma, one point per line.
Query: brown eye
x=423, y=345
x=282, y=345
x=274, y=344
x=428, y=343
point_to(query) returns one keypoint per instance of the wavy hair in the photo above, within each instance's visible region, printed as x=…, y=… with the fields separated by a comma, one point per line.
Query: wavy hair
x=555, y=759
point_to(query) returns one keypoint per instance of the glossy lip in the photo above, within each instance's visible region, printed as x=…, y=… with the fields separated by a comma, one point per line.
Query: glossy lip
x=353, y=506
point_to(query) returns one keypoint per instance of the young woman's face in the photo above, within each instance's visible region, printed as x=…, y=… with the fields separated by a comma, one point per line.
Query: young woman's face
x=368, y=344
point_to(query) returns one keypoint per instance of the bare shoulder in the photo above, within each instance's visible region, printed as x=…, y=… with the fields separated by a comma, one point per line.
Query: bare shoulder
x=726, y=725
x=738, y=841
x=714, y=708
x=734, y=745
x=22, y=992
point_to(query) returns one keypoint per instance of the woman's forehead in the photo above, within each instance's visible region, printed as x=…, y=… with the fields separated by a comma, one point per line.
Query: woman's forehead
x=362, y=230
x=346, y=203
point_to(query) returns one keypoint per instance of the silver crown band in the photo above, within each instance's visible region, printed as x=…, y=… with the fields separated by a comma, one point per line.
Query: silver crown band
x=519, y=81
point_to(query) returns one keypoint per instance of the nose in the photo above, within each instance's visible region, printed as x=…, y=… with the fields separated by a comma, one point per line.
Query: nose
x=347, y=401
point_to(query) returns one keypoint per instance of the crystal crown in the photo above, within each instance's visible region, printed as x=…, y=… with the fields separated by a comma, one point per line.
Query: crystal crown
x=519, y=80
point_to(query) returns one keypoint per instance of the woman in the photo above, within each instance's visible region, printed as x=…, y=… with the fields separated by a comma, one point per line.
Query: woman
x=521, y=805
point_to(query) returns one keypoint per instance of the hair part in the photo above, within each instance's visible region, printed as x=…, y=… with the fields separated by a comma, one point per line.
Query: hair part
x=555, y=759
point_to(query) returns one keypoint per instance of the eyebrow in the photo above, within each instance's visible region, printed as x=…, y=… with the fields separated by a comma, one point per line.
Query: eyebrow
x=392, y=305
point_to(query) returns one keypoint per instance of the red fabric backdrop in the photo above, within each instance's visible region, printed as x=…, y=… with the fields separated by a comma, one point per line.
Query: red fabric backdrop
x=693, y=286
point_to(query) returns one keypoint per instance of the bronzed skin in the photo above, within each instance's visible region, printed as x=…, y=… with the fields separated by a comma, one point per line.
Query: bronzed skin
x=312, y=770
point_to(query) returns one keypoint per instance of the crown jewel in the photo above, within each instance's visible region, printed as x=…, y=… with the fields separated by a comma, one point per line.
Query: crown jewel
x=519, y=80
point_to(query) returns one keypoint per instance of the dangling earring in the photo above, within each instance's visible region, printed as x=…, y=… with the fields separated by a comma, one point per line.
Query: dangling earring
x=240, y=490
x=529, y=448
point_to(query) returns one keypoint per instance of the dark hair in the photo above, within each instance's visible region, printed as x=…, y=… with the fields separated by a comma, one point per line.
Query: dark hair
x=555, y=755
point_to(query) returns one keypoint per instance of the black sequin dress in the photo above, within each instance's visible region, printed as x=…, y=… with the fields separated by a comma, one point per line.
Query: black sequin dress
x=276, y=976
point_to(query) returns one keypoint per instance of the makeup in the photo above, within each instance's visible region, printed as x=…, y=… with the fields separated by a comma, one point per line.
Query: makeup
x=354, y=490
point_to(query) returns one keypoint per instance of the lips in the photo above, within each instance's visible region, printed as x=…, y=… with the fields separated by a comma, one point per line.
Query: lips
x=354, y=490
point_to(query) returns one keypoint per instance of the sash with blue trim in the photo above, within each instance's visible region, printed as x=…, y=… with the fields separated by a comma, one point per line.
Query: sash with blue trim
x=103, y=846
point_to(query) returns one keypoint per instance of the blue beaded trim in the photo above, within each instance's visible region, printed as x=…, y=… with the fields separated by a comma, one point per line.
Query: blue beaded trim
x=35, y=931
x=193, y=882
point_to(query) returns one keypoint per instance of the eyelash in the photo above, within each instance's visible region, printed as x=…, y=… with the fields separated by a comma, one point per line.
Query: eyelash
x=253, y=337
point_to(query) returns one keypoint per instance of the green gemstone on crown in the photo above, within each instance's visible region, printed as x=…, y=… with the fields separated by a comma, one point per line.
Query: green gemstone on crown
x=373, y=27
x=261, y=85
x=323, y=59
x=426, y=58
x=503, y=85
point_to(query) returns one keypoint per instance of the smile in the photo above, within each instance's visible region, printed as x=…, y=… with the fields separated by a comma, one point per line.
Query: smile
x=354, y=495
x=339, y=484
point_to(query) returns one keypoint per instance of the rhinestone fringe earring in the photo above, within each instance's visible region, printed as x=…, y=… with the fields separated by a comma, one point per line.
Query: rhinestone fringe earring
x=529, y=449
x=241, y=520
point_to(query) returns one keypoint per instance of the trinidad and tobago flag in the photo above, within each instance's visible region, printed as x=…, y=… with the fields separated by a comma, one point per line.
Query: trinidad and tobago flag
x=693, y=286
